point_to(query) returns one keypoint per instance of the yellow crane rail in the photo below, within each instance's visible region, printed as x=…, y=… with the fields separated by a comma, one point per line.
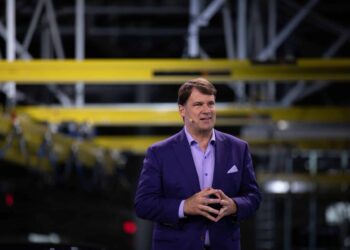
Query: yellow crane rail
x=152, y=71
x=139, y=143
x=149, y=115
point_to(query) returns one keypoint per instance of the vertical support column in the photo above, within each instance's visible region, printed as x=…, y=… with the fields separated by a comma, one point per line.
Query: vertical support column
x=255, y=40
x=313, y=156
x=56, y=38
x=193, y=29
x=313, y=159
x=229, y=38
x=344, y=160
x=228, y=31
x=242, y=29
x=11, y=30
x=256, y=27
x=46, y=45
x=241, y=43
x=79, y=48
x=288, y=208
x=287, y=225
x=271, y=23
x=271, y=34
x=312, y=221
x=10, y=87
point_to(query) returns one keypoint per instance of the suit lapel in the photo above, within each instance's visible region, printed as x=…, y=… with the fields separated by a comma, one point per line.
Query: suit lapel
x=183, y=153
x=221, y=154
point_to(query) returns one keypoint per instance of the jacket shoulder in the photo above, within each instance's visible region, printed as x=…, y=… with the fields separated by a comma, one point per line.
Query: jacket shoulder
x=166, y=142
x=230, y=138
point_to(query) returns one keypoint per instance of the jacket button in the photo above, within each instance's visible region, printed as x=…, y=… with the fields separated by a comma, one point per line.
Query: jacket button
x=202, y=238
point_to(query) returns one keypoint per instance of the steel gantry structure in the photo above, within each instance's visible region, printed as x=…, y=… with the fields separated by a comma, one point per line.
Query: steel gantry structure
x=252, y=32
x=280, y=62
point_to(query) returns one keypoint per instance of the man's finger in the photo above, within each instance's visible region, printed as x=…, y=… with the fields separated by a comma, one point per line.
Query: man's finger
x=213, y=201
x=208, y=209
x=208, y=189
x=222, y=213
x=222, y=194
x=224, y=202
x=219, y=217
x=211, y=191
x=208, y=216
x=212, y=210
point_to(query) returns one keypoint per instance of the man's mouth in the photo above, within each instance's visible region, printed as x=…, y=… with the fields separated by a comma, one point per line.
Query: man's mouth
x=205, y=119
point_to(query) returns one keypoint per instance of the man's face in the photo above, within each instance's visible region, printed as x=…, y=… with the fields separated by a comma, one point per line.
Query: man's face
x=199, y=112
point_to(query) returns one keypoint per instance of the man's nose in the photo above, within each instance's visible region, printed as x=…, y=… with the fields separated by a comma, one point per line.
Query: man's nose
x=206, y=108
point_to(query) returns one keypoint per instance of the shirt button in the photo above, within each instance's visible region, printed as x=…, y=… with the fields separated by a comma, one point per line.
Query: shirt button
x=206, y=174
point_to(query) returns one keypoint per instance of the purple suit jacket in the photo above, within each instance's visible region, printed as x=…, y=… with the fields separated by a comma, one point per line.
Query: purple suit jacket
x=169, y=176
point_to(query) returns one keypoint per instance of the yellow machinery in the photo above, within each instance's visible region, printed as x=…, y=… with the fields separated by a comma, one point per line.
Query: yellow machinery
x=28, y=132
x=139, y=71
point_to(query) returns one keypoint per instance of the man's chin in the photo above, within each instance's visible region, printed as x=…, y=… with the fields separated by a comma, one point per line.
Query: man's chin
x=205, y=129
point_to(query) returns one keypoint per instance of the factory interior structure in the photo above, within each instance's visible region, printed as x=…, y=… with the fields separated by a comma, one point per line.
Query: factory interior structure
x=86, y=86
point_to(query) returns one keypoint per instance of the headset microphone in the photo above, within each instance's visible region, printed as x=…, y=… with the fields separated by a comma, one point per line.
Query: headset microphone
x=191, y=120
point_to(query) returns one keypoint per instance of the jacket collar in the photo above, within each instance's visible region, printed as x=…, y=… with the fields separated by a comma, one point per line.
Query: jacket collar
x=183, y=153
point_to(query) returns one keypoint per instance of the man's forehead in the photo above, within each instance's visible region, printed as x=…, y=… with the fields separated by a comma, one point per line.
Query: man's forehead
x=199, y=95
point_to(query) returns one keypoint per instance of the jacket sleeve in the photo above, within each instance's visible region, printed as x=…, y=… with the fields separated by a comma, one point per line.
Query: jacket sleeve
x=249, y=196
x=150, y=202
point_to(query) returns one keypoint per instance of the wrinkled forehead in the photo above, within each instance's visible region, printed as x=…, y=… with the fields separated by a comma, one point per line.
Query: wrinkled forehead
x=197, y=95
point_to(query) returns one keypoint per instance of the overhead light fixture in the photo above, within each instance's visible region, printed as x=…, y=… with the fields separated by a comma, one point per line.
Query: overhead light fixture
x=277, y=187
x=338, y=213
x=44, y=238
x=282, y=125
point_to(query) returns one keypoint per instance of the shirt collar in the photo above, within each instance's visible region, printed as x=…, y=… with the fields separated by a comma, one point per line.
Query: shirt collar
x=191, y=141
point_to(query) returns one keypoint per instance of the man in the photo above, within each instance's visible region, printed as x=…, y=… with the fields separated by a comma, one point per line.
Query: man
x=198, y=184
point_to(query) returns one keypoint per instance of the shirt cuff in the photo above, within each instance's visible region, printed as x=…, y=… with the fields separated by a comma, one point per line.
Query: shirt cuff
x=181, y=209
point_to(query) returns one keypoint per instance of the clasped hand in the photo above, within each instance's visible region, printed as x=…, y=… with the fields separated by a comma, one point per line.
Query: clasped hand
x=199, y=204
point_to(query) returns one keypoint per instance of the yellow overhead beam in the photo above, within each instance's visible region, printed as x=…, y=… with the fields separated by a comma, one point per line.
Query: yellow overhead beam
x=134, y=143
x=139, y=143
x=167, y=116
x=138, y=71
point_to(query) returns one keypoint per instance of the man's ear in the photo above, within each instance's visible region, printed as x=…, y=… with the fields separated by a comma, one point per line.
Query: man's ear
x=181, y=111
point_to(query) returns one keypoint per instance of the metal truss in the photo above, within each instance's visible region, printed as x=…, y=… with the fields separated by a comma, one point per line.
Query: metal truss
x=249, y=29
x=167, y=115
x=171, y=71
x=261, y=49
